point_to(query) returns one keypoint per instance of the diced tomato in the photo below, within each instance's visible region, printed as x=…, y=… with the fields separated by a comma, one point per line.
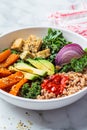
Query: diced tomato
x=55, y=83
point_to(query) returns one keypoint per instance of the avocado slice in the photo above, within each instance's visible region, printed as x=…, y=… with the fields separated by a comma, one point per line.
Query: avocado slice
x=43, y=65
x=27, y=68
x=30, y=76
x=26, y=74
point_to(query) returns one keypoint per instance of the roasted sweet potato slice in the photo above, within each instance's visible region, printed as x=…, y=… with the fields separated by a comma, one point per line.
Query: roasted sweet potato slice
x=4, y=55
x=11, y=80
x=4, y=72
x=15, y=88
x=10, y=60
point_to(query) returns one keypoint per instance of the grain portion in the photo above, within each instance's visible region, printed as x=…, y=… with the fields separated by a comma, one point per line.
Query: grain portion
x=76, y=82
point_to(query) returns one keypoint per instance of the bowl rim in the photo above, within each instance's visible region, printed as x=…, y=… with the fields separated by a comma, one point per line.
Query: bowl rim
x=41, y=27
x=42, y=100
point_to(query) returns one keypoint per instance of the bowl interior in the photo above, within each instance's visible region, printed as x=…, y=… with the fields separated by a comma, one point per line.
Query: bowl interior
x=7, y=39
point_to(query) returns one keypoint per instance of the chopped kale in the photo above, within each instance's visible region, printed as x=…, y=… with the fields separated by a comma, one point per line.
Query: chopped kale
x=85, y=50
x=25, y=90
x=80, y=64
x=14, y=51
x=55, y=41
x=31, y=91
x=66, y=68
x=76, y=65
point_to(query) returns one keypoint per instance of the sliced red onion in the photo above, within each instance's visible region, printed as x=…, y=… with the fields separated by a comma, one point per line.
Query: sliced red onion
x=68, y=52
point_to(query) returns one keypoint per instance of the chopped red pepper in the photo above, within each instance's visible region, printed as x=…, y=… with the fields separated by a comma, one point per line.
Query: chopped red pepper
x=55, y=83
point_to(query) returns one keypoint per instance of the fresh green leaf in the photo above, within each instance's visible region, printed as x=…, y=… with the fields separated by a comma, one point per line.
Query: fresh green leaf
x=14, y=51
x=76, y=65
x=31, y=91
x=24, y=90
x=80, y=64
x=66, y=68
x=85, y=50
x=54, y=40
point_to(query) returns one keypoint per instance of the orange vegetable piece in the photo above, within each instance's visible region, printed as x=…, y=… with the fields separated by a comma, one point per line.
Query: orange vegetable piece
x=15, y=88
x=11, y=80
x=7, y=89
x=10, y=60
x=4, y=55
x=4, y=72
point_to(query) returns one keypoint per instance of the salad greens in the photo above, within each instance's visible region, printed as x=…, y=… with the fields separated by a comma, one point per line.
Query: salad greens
x=55, y=41
x=63, y=56
x=31, y=91
x=14, y=51
x=85, y=50
x=76, y=65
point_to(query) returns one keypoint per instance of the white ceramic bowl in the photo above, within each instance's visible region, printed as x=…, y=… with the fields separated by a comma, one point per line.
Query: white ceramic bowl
x=6, y=40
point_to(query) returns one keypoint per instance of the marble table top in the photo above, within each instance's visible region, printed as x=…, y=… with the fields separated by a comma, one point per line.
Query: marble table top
x=25, y=13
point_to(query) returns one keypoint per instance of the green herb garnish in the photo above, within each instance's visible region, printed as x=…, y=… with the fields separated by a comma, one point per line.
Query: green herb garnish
x=54, y=41
x=31, y=91
x=76, y=65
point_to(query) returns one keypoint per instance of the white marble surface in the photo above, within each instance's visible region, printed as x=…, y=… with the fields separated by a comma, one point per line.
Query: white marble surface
x=24, y=13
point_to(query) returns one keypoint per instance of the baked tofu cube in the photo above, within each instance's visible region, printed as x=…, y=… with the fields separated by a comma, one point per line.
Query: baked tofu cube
x=26, y=54
x=26, y=47
x=34, y=43
x=43, y=54
x=17, y=44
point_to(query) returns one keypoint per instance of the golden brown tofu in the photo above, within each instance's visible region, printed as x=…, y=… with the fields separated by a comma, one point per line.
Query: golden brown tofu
x=26, y=47
x=17, y=44
x=32, y=44
x=26, y=54
x=44, y=53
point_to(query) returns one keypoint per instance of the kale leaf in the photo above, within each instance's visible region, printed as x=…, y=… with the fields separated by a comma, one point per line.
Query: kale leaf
x=15, y=51
x=76, y=65
x=80, y=64
x=54, y=40
x=31, y=91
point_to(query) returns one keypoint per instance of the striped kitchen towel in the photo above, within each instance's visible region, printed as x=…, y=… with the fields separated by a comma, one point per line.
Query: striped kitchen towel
x=72, y=20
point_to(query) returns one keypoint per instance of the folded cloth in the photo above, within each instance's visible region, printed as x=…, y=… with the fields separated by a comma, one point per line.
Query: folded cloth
x=72, y=20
